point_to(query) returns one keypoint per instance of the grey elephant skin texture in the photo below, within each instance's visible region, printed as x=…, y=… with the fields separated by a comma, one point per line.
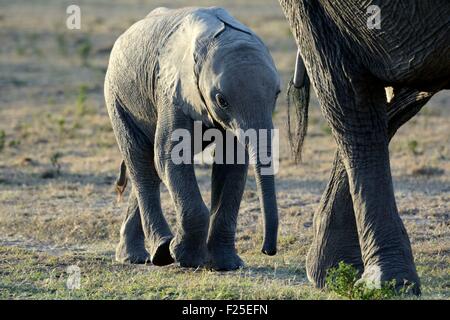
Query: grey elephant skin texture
x=167, y=71
x=349, y=65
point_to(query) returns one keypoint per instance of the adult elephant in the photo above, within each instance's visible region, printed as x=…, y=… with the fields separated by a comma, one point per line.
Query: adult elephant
x=349, y=65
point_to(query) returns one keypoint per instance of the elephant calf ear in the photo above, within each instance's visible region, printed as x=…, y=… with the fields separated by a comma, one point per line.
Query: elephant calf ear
x=226, y=18
x=181, y=60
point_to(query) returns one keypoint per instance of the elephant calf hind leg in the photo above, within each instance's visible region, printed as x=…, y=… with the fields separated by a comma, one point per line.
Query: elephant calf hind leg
x=131, y=248
x=137, y=152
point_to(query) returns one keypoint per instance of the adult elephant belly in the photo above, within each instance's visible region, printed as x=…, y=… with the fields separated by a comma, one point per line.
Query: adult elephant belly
x=427, y=70
x=413, y=45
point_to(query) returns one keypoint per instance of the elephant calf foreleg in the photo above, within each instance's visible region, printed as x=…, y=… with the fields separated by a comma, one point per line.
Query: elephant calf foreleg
x=189, y=245
x=228, y=183
x=335, y=233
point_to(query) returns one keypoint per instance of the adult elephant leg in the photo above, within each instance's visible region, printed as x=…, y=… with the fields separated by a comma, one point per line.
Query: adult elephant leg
x=356, y=109
x=131, y=247
x=228, y=183
x=137, y=152
x=359, y=120
x=335, y=233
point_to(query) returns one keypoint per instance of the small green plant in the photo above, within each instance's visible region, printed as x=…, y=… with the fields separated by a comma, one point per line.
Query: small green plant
x=18, y=82
x=14, y=143
x=22, y=129
x=56, y=167
x=343, y=280
x=76, y=125
x=84, y=49
x=61, y=122
x=20, y=50
x=2, y=139
x=62, y=43
x=54, y=159
x=81, y=100
x=51, y=101
x=413, y=146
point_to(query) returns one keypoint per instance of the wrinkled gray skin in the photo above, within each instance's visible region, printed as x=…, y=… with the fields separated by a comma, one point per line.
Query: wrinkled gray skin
x=165, y=73
x=349, y=66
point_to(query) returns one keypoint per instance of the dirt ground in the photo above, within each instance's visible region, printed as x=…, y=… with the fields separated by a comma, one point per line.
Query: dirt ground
x=59, y=160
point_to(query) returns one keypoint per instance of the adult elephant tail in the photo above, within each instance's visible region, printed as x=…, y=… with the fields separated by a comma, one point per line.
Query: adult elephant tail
x=298, y=96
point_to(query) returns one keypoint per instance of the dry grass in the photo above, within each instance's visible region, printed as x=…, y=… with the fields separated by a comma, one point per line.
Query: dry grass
x=59, y=159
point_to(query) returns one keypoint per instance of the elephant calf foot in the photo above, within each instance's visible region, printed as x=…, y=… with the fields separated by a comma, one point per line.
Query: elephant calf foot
x=221, y=259
x=406, y=280
x=129, y=254
x=188, y=253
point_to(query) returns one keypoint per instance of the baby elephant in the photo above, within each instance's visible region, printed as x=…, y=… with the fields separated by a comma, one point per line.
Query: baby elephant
x=173, y=70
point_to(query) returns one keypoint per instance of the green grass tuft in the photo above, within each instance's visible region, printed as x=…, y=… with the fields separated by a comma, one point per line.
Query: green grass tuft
x=343, y=280
x=2, y=139
x=413, y=146
x=84, y=50
x=81, y=101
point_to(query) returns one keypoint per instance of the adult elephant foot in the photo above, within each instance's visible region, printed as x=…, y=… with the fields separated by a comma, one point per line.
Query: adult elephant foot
x=221, y=259
x=189, y=253
x=335, y=233
x=405, y=279
x=389, y=261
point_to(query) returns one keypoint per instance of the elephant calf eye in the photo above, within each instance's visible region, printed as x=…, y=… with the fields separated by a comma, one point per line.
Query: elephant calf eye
x=221, y=101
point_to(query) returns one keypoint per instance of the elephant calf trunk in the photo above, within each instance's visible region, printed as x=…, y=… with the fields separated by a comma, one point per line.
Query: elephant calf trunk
x=266, y=188
x=265, y=183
